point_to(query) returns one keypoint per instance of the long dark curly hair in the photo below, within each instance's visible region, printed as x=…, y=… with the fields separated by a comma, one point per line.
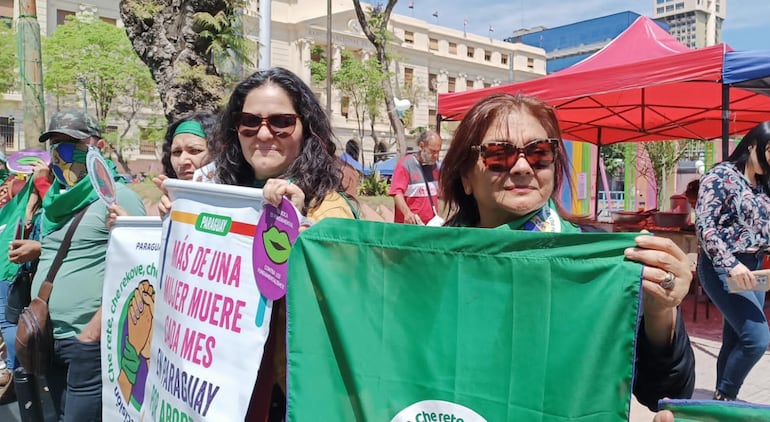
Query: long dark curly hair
x=316, y=170
x=208, y=121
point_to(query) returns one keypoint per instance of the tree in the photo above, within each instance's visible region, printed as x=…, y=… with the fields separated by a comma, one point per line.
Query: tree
x=663, y=156
x=87, y=56
x=7, y=56
x=361, y=82
x=375, y=27
x=182, y=42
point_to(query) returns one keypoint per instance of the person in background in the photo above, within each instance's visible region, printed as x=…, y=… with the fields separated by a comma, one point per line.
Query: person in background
x=415, y=183
x=733, y=229
x=23, y=253
x=74, y=378
x=691, y=193
x=186, y=145
x=505, y=169
x=351, y=177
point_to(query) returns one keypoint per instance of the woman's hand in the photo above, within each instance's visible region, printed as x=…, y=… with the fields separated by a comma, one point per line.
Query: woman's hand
x=662, y=260
x=164, y=205
x=276, y=189
x=21, y=251
x=663, y=416
x=114, y=211
x=743, y=277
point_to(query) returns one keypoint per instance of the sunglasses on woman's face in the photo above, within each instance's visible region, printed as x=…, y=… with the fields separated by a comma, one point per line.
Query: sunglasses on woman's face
x=502, y=156
x=280, y=125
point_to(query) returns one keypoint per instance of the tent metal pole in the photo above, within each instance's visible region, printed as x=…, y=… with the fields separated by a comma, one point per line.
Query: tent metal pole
x=725, y=121
x=596, y=184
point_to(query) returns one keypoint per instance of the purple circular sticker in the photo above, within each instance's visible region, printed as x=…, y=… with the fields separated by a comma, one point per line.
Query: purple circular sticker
x=21, y=162
x=277, y=230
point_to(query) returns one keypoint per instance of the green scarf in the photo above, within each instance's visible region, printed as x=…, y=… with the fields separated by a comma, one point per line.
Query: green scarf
x=60, y=205
x=546, y=219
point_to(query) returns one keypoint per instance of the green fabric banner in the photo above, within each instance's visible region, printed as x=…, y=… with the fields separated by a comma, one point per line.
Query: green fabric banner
x=12, y=214
x=391, y=322
x=716, y=411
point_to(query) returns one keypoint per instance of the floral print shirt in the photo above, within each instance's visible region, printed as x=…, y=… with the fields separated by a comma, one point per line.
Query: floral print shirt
x=732, y=216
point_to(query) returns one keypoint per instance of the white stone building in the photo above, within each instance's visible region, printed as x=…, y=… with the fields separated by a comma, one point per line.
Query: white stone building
x=430, y=58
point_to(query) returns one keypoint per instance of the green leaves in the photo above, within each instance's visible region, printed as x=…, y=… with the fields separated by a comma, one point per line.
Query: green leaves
x=7, y=56
x=97, y=57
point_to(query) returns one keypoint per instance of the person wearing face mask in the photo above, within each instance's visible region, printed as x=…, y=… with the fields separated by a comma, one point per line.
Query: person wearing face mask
x=415, y=182
x=74, y=378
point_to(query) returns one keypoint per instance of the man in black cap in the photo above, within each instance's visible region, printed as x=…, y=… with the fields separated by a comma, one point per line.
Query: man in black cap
x=74, y=378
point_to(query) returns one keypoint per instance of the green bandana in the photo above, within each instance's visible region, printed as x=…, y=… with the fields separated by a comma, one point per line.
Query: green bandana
x=545, y=219
x=192, y=127
x=59, y=206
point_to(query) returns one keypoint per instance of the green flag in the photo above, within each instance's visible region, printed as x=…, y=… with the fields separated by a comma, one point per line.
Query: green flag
x=12, y=214
x=716, y=411
x=390, y=322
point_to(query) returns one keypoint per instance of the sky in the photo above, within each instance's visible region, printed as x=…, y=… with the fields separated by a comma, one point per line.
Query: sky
x=744, y=28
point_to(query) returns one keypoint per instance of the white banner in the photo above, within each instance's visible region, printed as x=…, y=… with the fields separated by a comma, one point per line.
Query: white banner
x=211, y=321
x=130, y=281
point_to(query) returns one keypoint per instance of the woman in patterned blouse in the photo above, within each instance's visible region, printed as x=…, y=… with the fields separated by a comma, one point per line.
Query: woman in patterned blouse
x=733, y=227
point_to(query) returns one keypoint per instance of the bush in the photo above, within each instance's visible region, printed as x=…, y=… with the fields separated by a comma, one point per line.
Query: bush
x=373, y=185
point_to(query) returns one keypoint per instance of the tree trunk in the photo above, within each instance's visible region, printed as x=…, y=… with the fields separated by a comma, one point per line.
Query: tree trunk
x=163, y=36
x=379, y=41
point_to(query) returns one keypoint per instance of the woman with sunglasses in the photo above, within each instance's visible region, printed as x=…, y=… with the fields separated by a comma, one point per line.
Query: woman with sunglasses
x=274, y=134
x=505, y=169
x=733, y=228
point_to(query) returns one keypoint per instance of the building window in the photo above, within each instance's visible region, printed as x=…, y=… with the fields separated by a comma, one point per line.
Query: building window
x=503, y=59
x=317, y=53
x=432, y=118
x=433, y=44
x=487, y=84
x=61, y=16
x=7, y=132
x=471, y=52
x=6, y=8
x=409, y=37
x=670, y=8
x=146, y=145
x=468, y=85
x=432, y=82
x=408, y=76
x=344, y=106
x=487, y=56
x=530, y=63
x=451, y=84
x=660, y=10
x=679, y=6
x=453, y=48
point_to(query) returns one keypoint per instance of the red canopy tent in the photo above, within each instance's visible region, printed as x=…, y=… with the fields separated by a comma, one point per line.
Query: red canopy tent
x=643, y=86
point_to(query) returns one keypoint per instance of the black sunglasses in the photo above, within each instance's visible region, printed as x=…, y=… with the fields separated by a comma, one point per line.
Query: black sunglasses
x=502, y=156
x=280, y=125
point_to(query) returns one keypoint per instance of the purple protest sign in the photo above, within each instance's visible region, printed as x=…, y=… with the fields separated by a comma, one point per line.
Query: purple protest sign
x=277, y=230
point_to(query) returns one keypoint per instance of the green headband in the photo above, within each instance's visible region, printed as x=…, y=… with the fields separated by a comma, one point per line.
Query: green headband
x=190, y=126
